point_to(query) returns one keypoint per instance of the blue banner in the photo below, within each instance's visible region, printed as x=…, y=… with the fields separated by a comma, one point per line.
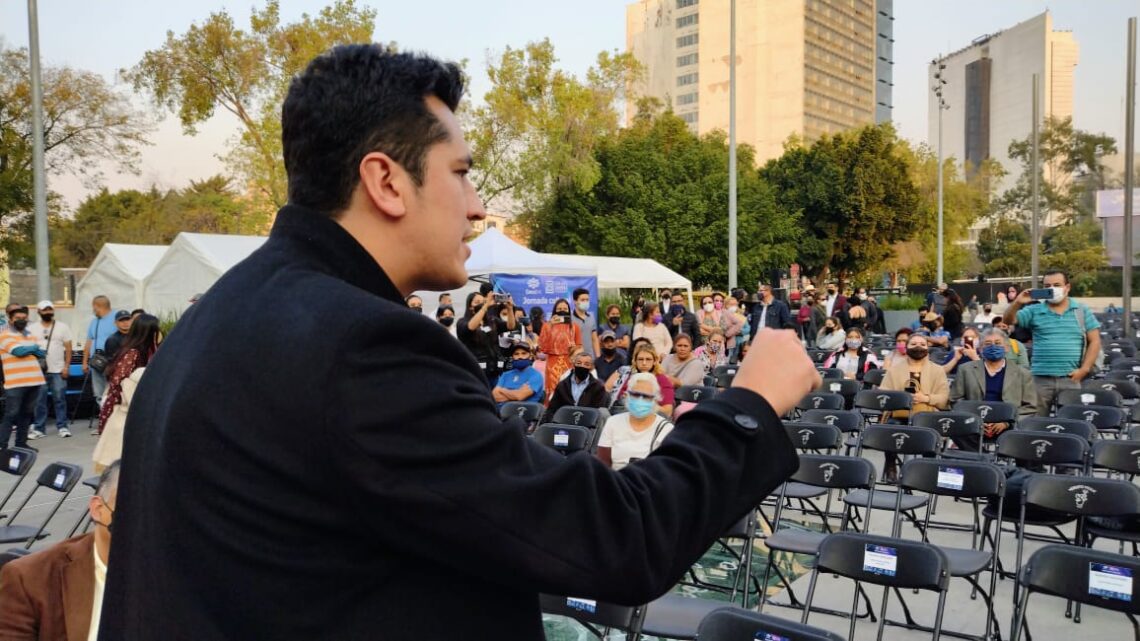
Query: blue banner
x=541, y=291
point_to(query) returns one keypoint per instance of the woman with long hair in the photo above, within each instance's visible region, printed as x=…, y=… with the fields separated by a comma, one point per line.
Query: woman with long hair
x=649, y=326
x=557, y=341
x=953, y=313
x=123, y=375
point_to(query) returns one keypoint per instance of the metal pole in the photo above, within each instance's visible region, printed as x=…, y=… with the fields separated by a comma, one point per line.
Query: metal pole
x=1129, y=152
x=1034, y=168
x=732, y=149
x=43, y=277
x=940, y=254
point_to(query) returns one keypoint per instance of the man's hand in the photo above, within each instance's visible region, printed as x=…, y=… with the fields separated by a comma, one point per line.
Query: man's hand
x=970, y=353
x=1024, y=298
x=778, y=369
x=678, y=318
x=1078, y=374
x=85, y=369
x=993, y=429
x=64, y=374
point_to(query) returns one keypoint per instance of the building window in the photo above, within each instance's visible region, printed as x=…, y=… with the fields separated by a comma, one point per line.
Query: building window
x=687, y=21
x=687, y=79
x=681, y=4
x=688, y=41
x=690, y=117
x=687, y=99
x=686, y=60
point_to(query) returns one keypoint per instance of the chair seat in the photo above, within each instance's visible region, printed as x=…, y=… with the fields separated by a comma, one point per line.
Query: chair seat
x=92, y=482
x=964, y=561
x=675, y=616
x=884, y=500
x=803, y=491
x=797, y=541
x=1097, y=532
x=966, y=455
x=18, y=533
x=990, y=513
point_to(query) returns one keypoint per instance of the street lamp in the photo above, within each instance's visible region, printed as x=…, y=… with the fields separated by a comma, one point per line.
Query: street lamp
x=938, y=88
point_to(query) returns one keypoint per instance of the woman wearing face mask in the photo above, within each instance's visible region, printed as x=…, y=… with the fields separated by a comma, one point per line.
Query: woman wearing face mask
x=924, y=380
x=736, y=322
x=479, y=331
x=711, y=317
x=558, y=339
x=537, y=320
x=123, y=376
x=634, y=434
x=714, y=352
x=613, y=323
x=645, y=361
x=830, y=336
x=445, y=315
x=854, y=359
x=898, y=354
x=682, y=366
x=651, y=327
x=968, y=351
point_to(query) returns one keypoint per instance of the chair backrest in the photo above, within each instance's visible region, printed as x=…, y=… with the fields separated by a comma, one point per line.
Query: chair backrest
x=1111, y=398
x=60, y=477
x=874, y=378
x=1102, y=417
x=819, y=355
x=567, y=439
x=574, y=415
x=988, y=411
x=881, y=400
x=1043, y=447
x=821, y=401
x=1121, y=347
x=1115, y=375
x=845, y=420
x=1119, y=456
x=724, y=380
x=1083, y=575
x=17, y=461
x=884, y=560
x=1126, y=364
x=901, y=439
x=1082, y=495
x=725, y=369
x=948, y=424
x=736, y=624
x=1059, y=425
x=835, y=472
x=591, y=611
x=1125, y=386
x=527, y=411
x=847, y=388
x=813, y=436
x=952, y=477
x=830, y=373
x=695, y=393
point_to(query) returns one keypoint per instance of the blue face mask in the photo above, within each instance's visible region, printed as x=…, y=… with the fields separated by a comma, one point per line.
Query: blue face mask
x=993, y=352
x=522, y=363
x=639, y=407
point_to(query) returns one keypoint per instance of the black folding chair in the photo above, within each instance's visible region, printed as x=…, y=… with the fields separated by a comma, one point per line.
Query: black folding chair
x=573, y=415
x=1059, y=425
x=733, y=624
x=93, y=483
x=596, y=616
x=1121, y=347
x=820, y=401
x=1078, y=574
x=848, y=421
x=56, y=477
x=529, y=413
x=885, y=561
x=709, y=381
x=813, y=437
x=830, y=373
x=1117, y=456
x=900, y=440
x=817, y=472
x=1126, y=364
x=989, y=411
x=1125, y=386
x=1116, y=376
x=725, y=369
x=694, y=393
x=567, y=439
x=951, y=426
x=847, y=388
x=724, y=381
x=873, y=378
x=877, y=402
x=1105, y=418
x=1094, y=396
x=16, y=461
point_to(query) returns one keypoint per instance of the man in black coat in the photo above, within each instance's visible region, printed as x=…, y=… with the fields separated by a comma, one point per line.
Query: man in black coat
x=681, y=321
x=333, y=467
x=770, y=312
x=589, y=390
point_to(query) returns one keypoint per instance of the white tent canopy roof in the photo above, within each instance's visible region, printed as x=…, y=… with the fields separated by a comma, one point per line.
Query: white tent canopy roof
x=192, y=264
x=615, y=272
x=118, y=272
x=494, y=253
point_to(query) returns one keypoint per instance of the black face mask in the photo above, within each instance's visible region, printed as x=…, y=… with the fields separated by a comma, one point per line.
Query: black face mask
x=581, y=373
x=47, y=318
x=609, y=351
x=418, y=310
x=21, y=324
x=917, y=353
x=614, y=320
x=447, y=321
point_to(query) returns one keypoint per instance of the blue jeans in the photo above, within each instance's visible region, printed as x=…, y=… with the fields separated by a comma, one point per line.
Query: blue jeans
x=98, y=386
x=57, y=384
x=19, y=407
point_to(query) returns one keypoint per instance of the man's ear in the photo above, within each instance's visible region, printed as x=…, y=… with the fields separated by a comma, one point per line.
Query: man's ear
x=385, y=183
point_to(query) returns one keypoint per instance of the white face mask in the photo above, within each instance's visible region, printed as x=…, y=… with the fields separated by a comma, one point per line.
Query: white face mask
x=733, y=309
x=1058, y=295
x=708, y=308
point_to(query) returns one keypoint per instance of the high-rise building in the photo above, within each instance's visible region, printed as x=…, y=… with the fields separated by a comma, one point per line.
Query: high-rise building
x=989, y=92
x=803, y=67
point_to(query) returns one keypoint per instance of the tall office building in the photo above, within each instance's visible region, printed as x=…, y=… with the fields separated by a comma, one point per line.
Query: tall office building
x=989, y=91
x=803, y=67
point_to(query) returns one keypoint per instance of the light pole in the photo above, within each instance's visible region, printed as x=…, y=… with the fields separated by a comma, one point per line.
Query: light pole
x=732, y=150
x=939, y=85
x=43, y=282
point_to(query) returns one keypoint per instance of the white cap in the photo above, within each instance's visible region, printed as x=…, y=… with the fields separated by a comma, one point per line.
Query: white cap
x=45, y=304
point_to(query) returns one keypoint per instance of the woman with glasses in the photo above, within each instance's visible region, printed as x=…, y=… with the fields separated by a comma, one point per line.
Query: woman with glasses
x=631, y=436
x=645, y=361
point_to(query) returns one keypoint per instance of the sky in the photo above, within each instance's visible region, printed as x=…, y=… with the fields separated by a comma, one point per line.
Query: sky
x=107, y=36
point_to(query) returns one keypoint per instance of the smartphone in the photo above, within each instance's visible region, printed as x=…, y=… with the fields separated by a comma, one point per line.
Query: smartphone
x=502, y=298
x=968, y=343
x=1044, y=293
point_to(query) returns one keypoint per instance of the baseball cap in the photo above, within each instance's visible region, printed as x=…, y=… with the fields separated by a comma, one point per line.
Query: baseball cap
x=44, y=304
x=122, y=314
x=609, y=333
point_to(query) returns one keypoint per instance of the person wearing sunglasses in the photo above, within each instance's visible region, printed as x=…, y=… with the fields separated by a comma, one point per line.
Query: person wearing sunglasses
x=633, y=435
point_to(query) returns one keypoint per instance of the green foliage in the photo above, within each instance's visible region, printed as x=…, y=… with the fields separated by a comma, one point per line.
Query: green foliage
x=1073, y=247
x=247, y=73
x=662, y=193
x=900, y=303
x=856, y=196
x=167, y=322
x=1004, y=248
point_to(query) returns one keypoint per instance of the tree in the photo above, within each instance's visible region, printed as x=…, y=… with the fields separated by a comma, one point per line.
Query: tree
x=1003, y=248
x=86, y=123
x=856, y=196
x=538, y=125
x=247, y=73
x=662, y=193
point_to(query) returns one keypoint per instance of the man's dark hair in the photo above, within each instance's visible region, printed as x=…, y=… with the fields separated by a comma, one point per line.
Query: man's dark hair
x=108, y=479
x=351, y=101
x=137, y=312
x=1054, y=272
x=578, y=292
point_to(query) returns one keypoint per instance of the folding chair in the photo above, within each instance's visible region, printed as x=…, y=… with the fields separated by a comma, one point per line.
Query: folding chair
x=596, y=616
x=1125, y=386
x=813, y=437
x=885, y=561
x=847, y=388
x=1076, y=497
x=900, y=440
x=725, y=369
x=972, y=480
x=529, y=413
x=1104, y=418
x=877, y=402
x=567, y=439
x=56, y=477
x=989, y=411
x=830, y=373
x=732, y=624
x=744, y=529
x=821, y=472
x=724, y=380
x=1059, y=425
x=819, y=355
x=1117, y=456
x=1111, y=398
x=951, y=425
x=573, y=415
x=873, y=378
x=1078, y=574
x=93, y=483
x=820, y=401
x=1126, y=364
x=17, y=461
x=848, y=421
x=1115, y=376
x=695, y=394
x=1125, y=347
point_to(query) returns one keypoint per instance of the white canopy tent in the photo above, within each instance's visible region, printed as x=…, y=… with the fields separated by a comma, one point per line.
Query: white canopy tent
x=192, y=264
x=616, y=272
x=119, y=272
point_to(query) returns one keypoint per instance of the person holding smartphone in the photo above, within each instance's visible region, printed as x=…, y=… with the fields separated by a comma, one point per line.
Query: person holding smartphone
x=925, y=381
x=968, y=351
x=559, y=337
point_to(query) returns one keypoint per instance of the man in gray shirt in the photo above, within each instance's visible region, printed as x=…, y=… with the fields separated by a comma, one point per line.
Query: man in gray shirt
x=585, y=322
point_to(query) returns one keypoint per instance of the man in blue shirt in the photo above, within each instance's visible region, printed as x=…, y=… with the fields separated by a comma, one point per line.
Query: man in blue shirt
x=98, y=331
x=1066, y=339
x=521, y=382
x=770, y=312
